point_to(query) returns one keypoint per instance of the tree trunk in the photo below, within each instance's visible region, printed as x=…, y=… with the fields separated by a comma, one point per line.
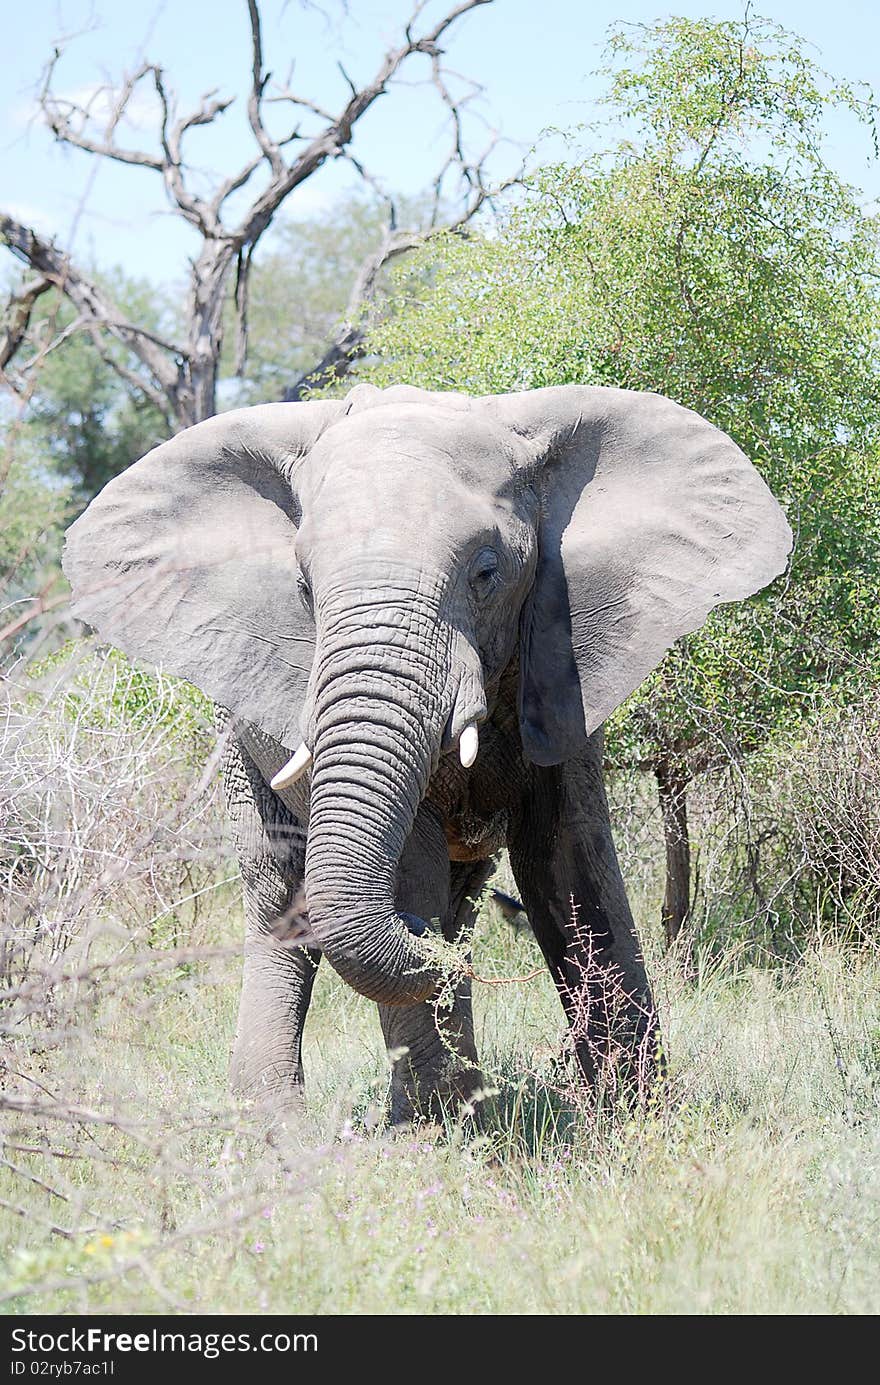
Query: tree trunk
x=672, y=784
x=209, y=277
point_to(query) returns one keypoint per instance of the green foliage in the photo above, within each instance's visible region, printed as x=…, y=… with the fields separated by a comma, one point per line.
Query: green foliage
x=32, y=505
x=712, y=255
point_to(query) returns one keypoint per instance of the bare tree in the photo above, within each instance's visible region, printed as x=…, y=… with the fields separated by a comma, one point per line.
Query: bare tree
x=180, y=377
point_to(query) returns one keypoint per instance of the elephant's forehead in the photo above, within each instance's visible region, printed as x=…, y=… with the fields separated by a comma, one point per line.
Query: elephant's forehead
x=401, y=499
x=417, y=444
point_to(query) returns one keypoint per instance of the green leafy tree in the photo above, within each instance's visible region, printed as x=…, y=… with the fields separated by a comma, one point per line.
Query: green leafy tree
x=710, y=254
x=31, y=506
x=87, y=419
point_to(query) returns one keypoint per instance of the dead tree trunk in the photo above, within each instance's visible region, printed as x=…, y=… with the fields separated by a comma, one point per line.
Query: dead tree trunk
x=672, y=784
x=204, y=315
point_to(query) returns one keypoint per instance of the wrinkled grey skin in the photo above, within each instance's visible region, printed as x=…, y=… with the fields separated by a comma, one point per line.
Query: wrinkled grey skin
x=371, y=575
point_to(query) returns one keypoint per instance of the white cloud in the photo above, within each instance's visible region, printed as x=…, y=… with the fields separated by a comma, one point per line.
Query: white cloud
x=142, y=112
x=29, y=214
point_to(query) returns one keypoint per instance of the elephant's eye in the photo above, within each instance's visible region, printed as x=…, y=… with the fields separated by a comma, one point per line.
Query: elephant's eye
x=484, y=572
x=305, y=593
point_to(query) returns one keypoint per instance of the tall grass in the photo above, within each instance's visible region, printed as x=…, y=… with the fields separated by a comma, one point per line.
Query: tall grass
x=131, y=1182
x=752, y=1185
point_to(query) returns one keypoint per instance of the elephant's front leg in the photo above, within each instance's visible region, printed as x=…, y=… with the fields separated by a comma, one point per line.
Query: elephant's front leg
x=276, y=989
x=434, y=1057
x=565, y=864
x=279, y=971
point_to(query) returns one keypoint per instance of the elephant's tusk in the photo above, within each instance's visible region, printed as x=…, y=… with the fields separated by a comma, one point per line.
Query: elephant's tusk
x=294, y=769
x=468, y=744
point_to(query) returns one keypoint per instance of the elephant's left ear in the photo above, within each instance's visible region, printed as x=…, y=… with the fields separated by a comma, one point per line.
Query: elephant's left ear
x=650, y=517
x=187, y=560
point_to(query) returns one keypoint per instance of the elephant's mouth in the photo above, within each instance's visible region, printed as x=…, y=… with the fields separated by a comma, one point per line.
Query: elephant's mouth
x=474, y=836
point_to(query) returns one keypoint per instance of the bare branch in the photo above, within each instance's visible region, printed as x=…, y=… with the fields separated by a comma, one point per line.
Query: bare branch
x=58, y=340
x=375, y=187
x=234, y=182
x=270, y=149
x=238, y=180
x=97, y=310
x=183, y=383
x=285, y=94
x=17, y=317
x=36, y=606
x=470, y=174
x=333, y=140
x=69, y=122
x=166, y=404
x=351, y=86
x=242, y=284
x=198, y=212
x=60, y=116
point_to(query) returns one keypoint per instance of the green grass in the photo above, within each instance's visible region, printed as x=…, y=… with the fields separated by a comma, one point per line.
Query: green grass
x=752, y=1186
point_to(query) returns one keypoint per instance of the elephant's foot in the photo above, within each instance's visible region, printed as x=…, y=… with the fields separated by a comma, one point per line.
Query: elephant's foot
x=622, y=1066
x=435, y=1075
x=273, y=1112
x=266, y=1071
x=452, y=1096
x=269, y=1091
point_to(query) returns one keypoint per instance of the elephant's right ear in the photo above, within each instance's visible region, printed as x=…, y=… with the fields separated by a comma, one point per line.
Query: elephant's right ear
x=186, y=560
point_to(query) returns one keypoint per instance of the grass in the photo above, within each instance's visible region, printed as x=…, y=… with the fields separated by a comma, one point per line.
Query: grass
x=752, y=1186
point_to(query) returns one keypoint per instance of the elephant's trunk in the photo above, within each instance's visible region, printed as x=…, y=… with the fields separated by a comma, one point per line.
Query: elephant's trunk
x=381, y=702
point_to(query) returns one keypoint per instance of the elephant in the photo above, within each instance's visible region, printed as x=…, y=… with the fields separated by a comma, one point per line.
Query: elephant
x=414, y=610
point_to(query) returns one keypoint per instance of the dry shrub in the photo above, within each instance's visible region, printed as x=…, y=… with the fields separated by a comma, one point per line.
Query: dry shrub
x=828, y=788
x=111, y=840
x=108, y=813
x=788, y=845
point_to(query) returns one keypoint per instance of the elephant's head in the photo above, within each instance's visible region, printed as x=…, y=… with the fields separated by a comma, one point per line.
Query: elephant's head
x=356, y=575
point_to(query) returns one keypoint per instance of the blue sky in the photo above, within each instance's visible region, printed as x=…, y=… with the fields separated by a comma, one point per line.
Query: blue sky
x=534, y=57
